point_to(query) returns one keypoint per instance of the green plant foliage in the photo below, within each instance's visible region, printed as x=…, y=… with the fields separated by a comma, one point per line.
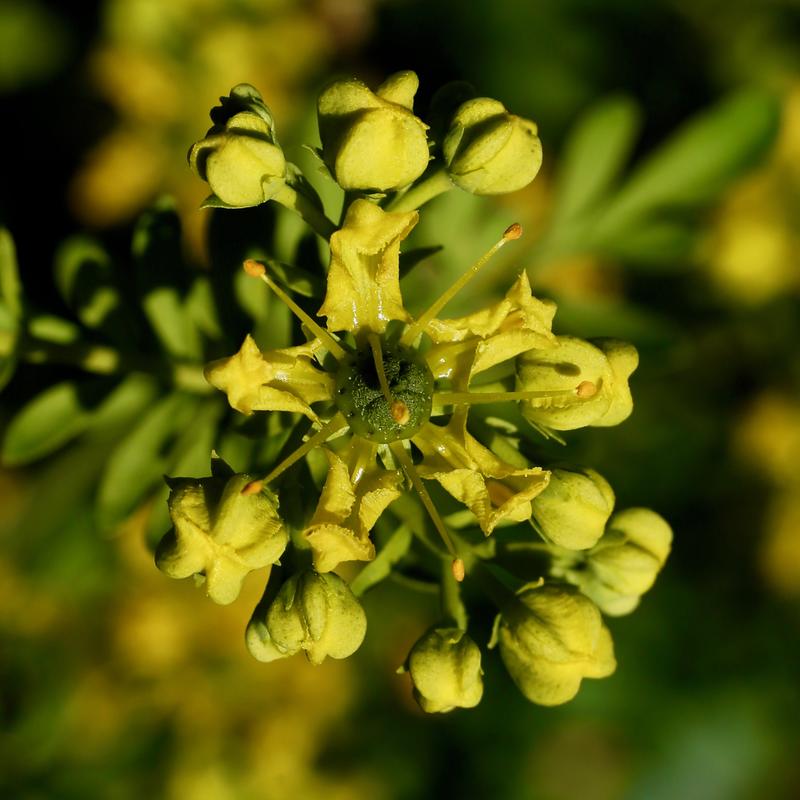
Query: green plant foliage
x=54, y=417
x=645, y=216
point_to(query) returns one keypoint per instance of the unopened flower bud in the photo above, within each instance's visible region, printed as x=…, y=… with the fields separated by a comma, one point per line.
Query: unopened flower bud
x=240, y=157
x=552, y=639
x=489, y=151
x=313, y=612
x=596, y=373
x=445, y=668
x=222, y=530
x=573, y=510
x=624, y=564
x=372, y=140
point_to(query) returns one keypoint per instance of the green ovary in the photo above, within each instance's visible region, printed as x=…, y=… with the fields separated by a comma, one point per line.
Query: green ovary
x=360, y=399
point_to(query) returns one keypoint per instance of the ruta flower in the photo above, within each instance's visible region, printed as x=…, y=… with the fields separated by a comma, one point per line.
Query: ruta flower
x=390, y=394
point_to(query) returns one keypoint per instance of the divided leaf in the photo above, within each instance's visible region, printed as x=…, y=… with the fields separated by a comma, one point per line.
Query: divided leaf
x=52, y=419
x=594, y=156
x=158, y=257
x=142, y=457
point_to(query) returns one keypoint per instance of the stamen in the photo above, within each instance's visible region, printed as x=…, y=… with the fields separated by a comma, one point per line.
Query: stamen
x=408, y=467
x=397, y=408
x=257, y=270
x=254, y=487
x=458, y=569
x=377, y=357
x=477, y=398
x=511, y=232
x=400, y=413
x=317, y=439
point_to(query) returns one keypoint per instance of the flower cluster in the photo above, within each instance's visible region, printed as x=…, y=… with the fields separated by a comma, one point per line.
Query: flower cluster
x=381, y=397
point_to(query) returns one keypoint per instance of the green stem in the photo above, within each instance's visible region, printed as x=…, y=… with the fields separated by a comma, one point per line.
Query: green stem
x=103, y=360
x=437, y=183
x=452, y=605
x=312, y=215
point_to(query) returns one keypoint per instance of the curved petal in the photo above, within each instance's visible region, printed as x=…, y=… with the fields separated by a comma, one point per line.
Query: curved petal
x=278, y=380
x=355, y=494
x=364, y=277
x=491, y=488
x=465, y=346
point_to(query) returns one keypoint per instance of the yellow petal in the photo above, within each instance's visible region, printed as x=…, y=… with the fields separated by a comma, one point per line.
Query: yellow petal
x=606, y=363
x=220, y=533
x=491, y=488
x=278, y=380
x=355, y=494
x=517, y=323
x=364, y=279
x=332, y=544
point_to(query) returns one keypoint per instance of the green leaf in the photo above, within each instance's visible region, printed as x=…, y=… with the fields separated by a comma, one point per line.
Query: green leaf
x=298, y=181
x=35, y=41
x=141, y=459
x=381, y=566
x=62, y=485
x=50, y=328
x=11, y=307
x=626, y=321
x=10, y=286
x=253, y=296
x=189, y=458
x=202, y=307
x=699, y=160
x=655, y=245
x=52, y=419
x=296, y=279
x=158, y=257
x=85, y=279
x=594, y=155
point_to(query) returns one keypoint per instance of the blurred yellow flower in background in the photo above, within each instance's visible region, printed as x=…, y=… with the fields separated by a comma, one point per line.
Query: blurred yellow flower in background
x=753, y=250
x=149, y=666
x=768, y=439
x=159, y=67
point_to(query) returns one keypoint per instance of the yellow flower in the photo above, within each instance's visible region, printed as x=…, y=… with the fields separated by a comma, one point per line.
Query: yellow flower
x=393, y=394
x=372, y=140
x=364, y=276
x=225, y=526
x=605, y=365
x=550, y=640
x=355, y=494
x=445, y=668
x=279, y=380
x=489, y=151
x=311, y=612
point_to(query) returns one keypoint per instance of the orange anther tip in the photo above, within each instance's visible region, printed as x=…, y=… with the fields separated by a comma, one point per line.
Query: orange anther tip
x=400, y=413
x=254, y=268
x=458, y=569
x=586, y=389
x=254, y=487
x=513, y=231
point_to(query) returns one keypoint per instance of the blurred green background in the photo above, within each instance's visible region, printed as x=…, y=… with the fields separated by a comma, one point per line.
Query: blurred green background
x=667, y=213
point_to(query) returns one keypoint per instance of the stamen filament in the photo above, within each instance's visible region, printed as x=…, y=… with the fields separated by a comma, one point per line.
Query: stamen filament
x=408, y=467
x=477, y=398
x=512, y=232
x=377, y=357
x=257, y=270
x=317, y=439
x=397, y=408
